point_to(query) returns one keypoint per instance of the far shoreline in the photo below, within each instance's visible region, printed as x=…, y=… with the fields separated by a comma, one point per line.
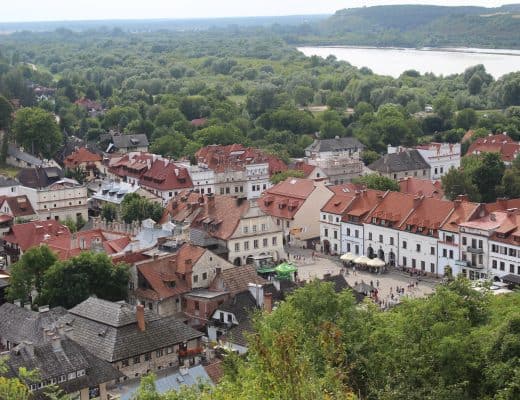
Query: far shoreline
x=468, y=50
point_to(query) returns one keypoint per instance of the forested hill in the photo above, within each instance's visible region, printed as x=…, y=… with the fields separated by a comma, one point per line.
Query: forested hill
x=420, y=25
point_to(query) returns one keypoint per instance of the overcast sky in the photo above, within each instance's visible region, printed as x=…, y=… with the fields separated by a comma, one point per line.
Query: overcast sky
x=58, y=10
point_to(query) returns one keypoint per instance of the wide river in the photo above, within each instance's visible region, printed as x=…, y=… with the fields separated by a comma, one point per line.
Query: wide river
x=394, y=61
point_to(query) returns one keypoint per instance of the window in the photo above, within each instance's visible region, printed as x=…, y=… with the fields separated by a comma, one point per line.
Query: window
x=237, y=246
x=195, y=278
x=204, y=276
x=159, y=353
x=432, y=251
x=480, y=245
x=511, y=268
x=137, y=359
x=246, y=245
x=245, y=229
x=432, y=268
x=72, y=375
x=356, y=233
x=254, y=228
x=274, y=240
x=348, y=231
x=502, y=266
x=418, y=247
x=451, y=254
x=326, y=232
x=335, y=234
x=169, y=350
x=369, y=235
x=324, y=217
x=255, y=244
x=380, y=238
x=357, y=249
x=444, y=253
x=464, y=241
x=264, y=227
x=148, y=356
x=414, y=263
x=391, y=241
x=196, y=305
x=404, y=261
x=404, y=244
x=230, y=318
x=423, y=265
x=265, y=243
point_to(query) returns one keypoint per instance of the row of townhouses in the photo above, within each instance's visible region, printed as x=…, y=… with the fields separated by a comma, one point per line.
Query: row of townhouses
x=427, y=234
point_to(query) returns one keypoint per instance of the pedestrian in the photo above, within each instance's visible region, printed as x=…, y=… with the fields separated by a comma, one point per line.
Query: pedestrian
x=377, y=283
x=372, y=283
x=354, y=270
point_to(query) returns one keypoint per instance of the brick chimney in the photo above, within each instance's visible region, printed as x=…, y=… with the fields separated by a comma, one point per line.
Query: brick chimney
x=268, y=302
x=139, y=313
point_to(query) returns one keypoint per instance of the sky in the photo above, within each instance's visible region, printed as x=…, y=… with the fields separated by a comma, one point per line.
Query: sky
x=59, y=10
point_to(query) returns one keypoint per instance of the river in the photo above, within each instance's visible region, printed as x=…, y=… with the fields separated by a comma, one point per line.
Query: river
x=394, y=61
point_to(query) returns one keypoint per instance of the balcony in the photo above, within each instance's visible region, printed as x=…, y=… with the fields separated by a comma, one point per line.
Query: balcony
x=462, y=263
x=475, y=250
x=476, y=266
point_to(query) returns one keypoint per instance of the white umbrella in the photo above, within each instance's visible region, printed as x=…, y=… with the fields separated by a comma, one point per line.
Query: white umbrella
x=347, y=257
x=362, y=260
x=376, y=262
x=3, y=276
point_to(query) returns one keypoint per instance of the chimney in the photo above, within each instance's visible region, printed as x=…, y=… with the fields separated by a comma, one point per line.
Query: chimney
x=139, y=313
x=416, y=201
x=257, y=291
x=268, y=302
x=56, y=343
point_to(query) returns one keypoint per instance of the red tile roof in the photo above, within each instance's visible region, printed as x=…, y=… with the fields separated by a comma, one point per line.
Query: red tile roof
x=187, y=256
x=363, y=202
x=81, y=156
x=165, y=175
x=503, y=205
x=285, y=199
x=20, y=206
x=428, y=216
x=215, y=370
x=500, y=143
x=342, y=198
x=394, y=208
x=89, y=104
x=236, y=280
x=509, y=229
x=307, y=169
x=70, y=246
x=235, y=157
x=131, y=164
x=36, y=233
x=198, y=122
x=420, y=187
x=463, y=211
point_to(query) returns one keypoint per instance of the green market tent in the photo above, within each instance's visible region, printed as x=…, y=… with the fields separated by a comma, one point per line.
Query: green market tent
x=285, y=270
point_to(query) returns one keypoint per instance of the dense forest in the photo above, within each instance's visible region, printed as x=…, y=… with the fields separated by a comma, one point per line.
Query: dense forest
x=247, y=85
x=416, y=26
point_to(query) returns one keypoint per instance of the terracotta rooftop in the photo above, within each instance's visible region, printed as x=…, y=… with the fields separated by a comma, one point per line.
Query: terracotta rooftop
x=162, y=279
x=285, y=199
x=342, y=198
x=236, y=280
x=463, y=211
x=509, y=230
x=394, y=207
x=165, y=175
x=428, y=216
x=500, y=143
x=364, y=201
x=424, y=187
x=81, y=156
x=20, y=206
x=35, y=233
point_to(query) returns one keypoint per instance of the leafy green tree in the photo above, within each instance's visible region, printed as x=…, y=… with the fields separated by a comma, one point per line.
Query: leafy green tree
x=488, y=176
x=37, y=131
x=443, y=106
x=457, y=182
x=6, y=113
x=71, y=224
x=28, y=273
x=466, y=118
x=378, y=182
x=303, y=95
x=369, y=156
x=137, y=208
x=282, y=176
x=70, y=282
x=169, y=145
x=109, y=212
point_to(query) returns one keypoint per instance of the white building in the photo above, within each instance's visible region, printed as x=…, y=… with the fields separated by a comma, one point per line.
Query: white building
x=441, y=157
x=257, y=179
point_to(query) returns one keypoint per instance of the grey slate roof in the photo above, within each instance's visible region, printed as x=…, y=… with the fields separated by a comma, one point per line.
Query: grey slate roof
x=63, y=357
x=6, y=182
x=113, y=334
x=241, y=306
x=237, y=333
x=126, y=141
x=408, y=160
x=39, y=177
x=18, y=324
x=15, y=152
x=338, y=144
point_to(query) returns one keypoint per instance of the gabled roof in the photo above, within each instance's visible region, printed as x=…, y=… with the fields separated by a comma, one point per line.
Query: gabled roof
x=241, y=306
x=235, y=280
x=394, y=207
x=165, y=175
x=20, y=206
x=81, y=156
x=39, y=177
x=463, y=211
x=285, y=198
x=428, y=214
x=15, y=152
x=424, y=187
x=500, y=143
x=17, y=324
x=342, y=198
x=110, y=331
x=35, y=233
x=407, y=160
x=52, y=360
x=363, y=202
x=337, y=144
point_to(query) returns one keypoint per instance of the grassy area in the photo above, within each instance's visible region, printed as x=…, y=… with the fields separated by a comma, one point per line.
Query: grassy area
x=9, y=171
x=238, y=99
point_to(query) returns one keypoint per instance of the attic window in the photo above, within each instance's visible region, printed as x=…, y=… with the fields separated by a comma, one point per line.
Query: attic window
x=408, y=227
